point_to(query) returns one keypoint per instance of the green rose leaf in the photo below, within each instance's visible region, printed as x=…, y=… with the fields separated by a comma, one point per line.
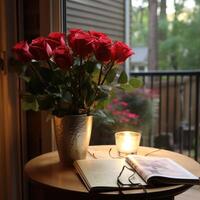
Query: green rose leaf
x=90, y=66
x=123, y=78
x=35, y=86
x=58, y=77
x=102, y=93
x=53, y=65
x=67, y=97
x=95, y=75
x=111, y=76
x=46, y=74
x=90, y=99
x=25, y=78
x=90, y=94
x=29, y=102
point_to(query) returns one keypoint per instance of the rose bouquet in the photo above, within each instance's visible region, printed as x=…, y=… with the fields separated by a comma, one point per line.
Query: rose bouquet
x=71, y=77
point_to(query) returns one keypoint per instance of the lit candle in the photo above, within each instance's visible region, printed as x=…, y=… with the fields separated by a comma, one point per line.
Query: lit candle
x=127, y=141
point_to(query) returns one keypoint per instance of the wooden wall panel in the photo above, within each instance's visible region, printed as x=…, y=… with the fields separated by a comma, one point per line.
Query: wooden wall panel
x=10, y=136
x=106, y=16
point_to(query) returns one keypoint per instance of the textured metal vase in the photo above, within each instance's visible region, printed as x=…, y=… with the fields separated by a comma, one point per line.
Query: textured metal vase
x=72, y=137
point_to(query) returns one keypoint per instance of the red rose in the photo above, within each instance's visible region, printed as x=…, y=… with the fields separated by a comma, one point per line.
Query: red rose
x=120, y=52
x=102, y=49
x=71, y=35
x=21, y=50
x=98, y=35
x=62, y=57
x=80, y=42
x=40, y=49
x=55, y=39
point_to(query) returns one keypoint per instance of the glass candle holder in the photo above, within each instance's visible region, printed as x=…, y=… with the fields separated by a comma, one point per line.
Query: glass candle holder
x=127, y=142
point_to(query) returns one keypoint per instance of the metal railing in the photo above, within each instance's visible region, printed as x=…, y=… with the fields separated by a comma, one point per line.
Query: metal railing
x=176, y=122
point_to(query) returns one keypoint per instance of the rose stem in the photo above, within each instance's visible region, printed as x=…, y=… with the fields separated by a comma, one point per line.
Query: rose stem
x=99, y=80
x=38, y=75
x=107, y=73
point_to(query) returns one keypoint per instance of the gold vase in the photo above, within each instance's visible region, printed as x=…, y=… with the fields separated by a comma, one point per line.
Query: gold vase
x=72, y=134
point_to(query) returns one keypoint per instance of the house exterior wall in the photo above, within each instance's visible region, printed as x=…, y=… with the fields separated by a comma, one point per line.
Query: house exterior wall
x=106, y=16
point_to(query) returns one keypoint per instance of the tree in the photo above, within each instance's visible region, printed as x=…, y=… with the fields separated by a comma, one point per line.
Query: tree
x=153, y=35
x=162, y=20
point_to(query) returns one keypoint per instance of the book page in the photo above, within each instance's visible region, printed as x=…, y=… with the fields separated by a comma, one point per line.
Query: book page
x=139, y=167
x=151, y=166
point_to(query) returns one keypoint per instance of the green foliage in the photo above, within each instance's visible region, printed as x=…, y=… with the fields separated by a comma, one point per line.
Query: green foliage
x=85, y=87
x=123, y=78
x=179, y=48
x=139, y=103
x=29, y=102
x=111, y=75
x=131, y=85
x=135, y=82
x=90, y=67
x=119, y=115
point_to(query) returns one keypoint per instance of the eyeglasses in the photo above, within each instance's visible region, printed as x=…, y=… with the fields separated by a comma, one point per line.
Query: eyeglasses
x=131, y=185
x=120, y=183
x=119, y=154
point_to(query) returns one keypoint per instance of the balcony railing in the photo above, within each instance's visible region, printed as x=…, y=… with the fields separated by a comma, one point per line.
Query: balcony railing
x=176, y=107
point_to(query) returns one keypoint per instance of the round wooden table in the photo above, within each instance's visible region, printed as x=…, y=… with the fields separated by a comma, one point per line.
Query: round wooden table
x=60, y=183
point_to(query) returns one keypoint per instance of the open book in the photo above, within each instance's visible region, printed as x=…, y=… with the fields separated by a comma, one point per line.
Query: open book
x=158, y=170
x=101, y=175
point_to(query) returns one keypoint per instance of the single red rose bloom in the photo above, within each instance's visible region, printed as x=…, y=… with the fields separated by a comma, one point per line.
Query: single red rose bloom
x=21, y=51
x=62, y=57
x=120, y=52
x=80, y=42
x=40, y=49
x=102, y=49
x=72, y=33
x=55, y=39
x=97, y=35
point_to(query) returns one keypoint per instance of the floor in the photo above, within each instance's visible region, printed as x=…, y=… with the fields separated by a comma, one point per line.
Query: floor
x=191, y=194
